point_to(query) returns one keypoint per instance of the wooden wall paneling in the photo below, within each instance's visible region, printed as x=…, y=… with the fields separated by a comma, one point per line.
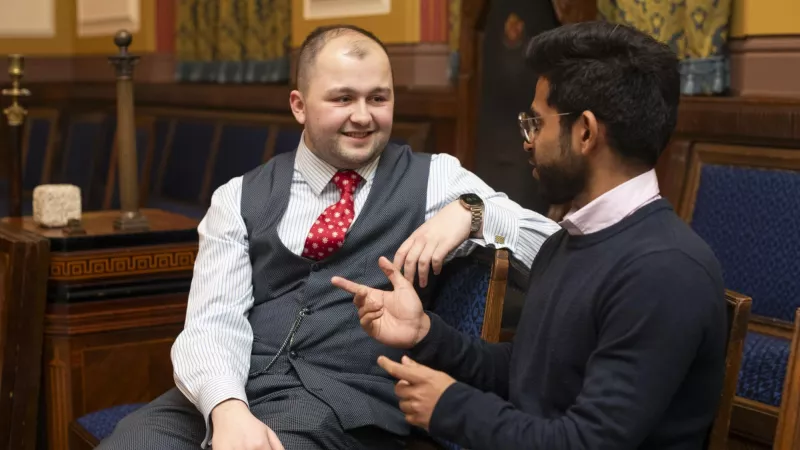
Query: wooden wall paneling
x=430, y=103
x=573, y=11
x=671, y=170
x=443, y=139
x=740, y=120
x=468, y=82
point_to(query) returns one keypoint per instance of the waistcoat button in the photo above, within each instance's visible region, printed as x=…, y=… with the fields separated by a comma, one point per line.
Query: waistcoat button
x=293, y=354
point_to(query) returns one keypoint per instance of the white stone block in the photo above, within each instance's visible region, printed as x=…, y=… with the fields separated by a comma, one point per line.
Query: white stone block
x=56, y=204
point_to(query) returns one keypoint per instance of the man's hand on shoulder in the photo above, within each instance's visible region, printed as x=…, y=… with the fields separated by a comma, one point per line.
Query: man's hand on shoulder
x=236, y=428
x=427, y=248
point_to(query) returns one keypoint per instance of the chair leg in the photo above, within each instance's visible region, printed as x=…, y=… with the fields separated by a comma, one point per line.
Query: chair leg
x=787, y=435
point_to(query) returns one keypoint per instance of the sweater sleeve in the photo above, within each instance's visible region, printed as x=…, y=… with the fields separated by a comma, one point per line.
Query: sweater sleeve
x=639, y=363
x=469, y=360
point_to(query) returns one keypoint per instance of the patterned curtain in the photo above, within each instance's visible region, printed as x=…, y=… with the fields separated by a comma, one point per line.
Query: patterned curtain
x=454, y=33
x=696, y=29
x=233, y=41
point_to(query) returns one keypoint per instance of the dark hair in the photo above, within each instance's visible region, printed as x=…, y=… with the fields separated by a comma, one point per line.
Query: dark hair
x=315, y=42
x=627, y=79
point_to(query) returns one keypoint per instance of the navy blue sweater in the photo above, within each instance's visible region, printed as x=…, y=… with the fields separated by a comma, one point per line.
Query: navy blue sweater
x=620, y=345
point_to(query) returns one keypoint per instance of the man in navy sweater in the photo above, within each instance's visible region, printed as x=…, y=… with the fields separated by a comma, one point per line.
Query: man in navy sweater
x=621, y=343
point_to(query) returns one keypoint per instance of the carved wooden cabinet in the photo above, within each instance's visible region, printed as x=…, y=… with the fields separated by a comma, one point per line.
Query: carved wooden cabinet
x=23, y=275
x=115, y=303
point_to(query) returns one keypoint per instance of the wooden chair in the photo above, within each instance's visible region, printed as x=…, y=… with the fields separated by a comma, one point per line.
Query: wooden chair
x=81, y=151
x=741, y=201
x=738, y=316
x=468, y=295
x=787, y=435
x=23, y=282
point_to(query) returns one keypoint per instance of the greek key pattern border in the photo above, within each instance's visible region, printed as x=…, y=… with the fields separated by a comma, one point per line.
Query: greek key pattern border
x=63, y=268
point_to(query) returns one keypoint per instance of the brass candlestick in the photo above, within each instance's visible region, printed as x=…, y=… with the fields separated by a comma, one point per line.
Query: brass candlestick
x=16, y=119
x=130, y=218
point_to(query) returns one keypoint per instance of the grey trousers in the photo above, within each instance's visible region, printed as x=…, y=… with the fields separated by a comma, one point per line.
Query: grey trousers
x=301, y=421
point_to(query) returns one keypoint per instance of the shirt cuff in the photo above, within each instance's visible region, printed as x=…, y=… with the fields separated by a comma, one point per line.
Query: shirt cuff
x=214, y=392
x=500, y=226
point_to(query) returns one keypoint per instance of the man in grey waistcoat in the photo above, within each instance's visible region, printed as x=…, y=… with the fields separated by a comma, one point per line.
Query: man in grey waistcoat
x=272, y=355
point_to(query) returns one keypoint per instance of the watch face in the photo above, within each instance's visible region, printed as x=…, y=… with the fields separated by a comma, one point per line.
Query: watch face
x=472, y=199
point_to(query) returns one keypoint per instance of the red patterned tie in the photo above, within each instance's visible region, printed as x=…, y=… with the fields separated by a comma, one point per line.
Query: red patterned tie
x=327, y=233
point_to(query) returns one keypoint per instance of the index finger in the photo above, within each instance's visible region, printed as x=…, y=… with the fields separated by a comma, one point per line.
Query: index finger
x=400, y=371
x=349, y=286
x=273, y=440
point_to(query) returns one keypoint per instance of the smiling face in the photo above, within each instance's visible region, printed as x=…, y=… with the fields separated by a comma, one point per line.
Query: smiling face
x=561, y=170
x=348, y=102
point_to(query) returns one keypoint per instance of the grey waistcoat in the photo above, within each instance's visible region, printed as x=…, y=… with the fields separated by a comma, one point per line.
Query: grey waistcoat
x=302, y=322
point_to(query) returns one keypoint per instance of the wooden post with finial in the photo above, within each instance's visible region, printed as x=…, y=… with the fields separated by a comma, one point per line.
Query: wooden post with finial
x=16, y=119
x=130, y=218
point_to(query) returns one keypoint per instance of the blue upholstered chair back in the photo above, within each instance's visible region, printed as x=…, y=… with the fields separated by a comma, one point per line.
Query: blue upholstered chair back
x=182, y=155
x=751, y=218
x=469, y=296
x=463, y=293
x=744, y=203
x=39, y=138
x=461, y=299
x=38, y=145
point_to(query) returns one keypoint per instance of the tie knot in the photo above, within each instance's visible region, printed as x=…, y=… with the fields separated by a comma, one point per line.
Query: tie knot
x=346, y=181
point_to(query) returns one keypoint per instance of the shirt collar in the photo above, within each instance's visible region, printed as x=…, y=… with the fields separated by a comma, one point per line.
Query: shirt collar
x=318, y=173
x=613, y=206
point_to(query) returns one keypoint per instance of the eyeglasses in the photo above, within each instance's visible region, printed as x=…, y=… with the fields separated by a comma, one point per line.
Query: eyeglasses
x=529, y=126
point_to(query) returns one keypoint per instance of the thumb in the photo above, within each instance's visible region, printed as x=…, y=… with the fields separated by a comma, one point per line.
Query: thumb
x=395, y=277
x=273, y=441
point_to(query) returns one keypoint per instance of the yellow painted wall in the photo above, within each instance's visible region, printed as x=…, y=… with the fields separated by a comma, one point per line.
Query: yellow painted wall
x=765, y=18
x=400, y=26
x=60, y=44
x=67, y=43
x=144, y=41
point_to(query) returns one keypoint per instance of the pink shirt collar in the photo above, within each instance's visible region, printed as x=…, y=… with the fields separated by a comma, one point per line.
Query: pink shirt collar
x=613, y=206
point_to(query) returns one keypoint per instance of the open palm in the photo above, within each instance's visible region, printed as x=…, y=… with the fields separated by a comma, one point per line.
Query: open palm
x=394, y=318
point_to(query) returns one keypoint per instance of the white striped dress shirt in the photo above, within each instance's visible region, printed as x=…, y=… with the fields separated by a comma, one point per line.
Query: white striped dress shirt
x=211, y=357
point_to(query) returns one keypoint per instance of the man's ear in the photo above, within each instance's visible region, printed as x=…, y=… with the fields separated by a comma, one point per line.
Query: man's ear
x=588, y=129
x=298, y=104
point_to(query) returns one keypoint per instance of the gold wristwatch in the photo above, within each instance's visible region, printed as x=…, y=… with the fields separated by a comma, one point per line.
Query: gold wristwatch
x=475, y=205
